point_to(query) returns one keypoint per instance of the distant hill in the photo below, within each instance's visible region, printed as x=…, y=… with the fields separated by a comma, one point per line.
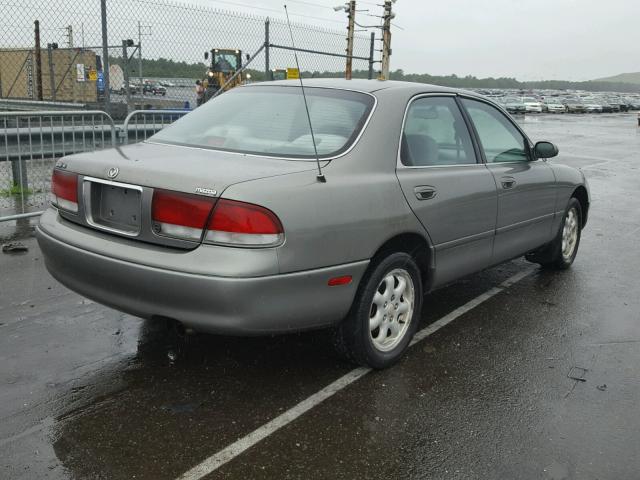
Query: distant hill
x=167, y=68
x=633, y=78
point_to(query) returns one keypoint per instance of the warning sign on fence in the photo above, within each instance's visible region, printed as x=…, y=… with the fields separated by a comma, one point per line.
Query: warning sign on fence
x=93, y=75
x=80, y=72
x=293, y=73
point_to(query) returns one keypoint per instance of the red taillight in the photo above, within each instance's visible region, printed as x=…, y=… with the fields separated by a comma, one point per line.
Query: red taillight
x=239, y=223
x=180, y=215
x=64, y=190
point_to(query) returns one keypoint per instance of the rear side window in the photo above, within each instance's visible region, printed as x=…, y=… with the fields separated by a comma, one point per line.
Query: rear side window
x=269, y=120
x=435, y=134
x=500, y=139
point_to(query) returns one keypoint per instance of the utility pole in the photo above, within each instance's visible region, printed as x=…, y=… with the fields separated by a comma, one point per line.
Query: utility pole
x=52, y=79
x=69, y=30
x=351, y=12
x=38, y=61
x=125, y=69
x=386, y=39
x=140, y=35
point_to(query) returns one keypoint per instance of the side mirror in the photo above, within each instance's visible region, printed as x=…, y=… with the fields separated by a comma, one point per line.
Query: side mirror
x=545, y=150
x=206, y=55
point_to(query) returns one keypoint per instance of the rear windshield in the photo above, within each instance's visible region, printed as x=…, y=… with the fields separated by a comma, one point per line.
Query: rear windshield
x=270, y=120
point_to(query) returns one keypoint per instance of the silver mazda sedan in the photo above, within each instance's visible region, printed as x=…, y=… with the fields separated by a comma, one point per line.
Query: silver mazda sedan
x=223, y=222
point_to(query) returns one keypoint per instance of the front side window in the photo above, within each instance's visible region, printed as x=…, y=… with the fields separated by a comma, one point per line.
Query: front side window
x=500, y=139
x=272, y=121
x=435, y=134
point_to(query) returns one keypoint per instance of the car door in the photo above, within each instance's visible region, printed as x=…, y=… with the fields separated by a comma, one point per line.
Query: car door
x=451, y=192
x=526, y=186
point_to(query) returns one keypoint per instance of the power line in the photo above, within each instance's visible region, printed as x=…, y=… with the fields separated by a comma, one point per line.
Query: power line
x=266, y=9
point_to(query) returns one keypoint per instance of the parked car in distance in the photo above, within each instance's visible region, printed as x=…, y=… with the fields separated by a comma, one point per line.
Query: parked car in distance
x=532, y=105
x=133, y=90
x=513, y=105
x=154, y=89
x=633, y=103
x=592, y=105
x=612, y=103
x=574, y=105
x=621, y=103
x=553, y=105
x=604, y=103
x=222, y=222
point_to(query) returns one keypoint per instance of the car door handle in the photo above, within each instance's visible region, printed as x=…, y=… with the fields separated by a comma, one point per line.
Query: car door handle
x=508, y=182
x=424, y=192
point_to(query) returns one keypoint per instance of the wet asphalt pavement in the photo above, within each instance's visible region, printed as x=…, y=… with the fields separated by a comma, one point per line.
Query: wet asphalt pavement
x=88, y=392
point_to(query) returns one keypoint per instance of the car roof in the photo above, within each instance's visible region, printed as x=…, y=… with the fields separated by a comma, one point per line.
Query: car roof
x=368, y=86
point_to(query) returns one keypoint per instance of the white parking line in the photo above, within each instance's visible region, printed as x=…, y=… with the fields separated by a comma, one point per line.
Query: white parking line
x=228, y=453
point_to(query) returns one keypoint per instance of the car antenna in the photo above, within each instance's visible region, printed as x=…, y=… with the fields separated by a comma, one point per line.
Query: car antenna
x=320, y=177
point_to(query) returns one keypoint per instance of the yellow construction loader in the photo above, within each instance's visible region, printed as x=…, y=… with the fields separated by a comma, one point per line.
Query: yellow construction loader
x=224, y=64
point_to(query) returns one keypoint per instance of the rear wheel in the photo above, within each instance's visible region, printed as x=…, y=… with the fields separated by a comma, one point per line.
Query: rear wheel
x=562, y=251
x=385, y=313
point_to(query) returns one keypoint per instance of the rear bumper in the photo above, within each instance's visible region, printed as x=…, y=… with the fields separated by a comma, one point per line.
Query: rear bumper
x=241, y=306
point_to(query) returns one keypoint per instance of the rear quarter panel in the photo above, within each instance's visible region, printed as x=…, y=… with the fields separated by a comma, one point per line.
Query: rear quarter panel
x=343, y=220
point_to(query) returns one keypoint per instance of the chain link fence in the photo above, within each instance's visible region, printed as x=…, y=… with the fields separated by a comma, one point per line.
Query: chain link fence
x=52, y=59
x=158, y=46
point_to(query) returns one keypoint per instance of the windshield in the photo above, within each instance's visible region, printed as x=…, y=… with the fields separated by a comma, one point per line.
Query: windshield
x=268, y=120
x=225, y=62
x=529, y=100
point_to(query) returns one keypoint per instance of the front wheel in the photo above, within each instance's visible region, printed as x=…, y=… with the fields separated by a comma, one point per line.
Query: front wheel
x=562, y=251
x=385, y=313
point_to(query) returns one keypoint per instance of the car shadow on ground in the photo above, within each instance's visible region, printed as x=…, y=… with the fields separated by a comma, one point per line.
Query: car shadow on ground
x=176, y=401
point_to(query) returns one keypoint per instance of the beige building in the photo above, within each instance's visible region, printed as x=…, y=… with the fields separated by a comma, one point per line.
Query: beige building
x=74, y=74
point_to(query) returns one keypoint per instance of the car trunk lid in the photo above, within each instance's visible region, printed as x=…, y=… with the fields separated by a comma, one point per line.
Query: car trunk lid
x=117, y=188
x=178, y=168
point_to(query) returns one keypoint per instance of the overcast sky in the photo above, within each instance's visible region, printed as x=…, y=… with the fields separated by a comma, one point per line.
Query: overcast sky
x=526, y=39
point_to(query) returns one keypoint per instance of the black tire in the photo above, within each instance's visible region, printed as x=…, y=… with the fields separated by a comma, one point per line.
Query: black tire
x=353, y=338
x=551, y=256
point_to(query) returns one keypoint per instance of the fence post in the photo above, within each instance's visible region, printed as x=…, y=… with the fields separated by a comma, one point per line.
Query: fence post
x=19, y=172
x=38, y=62
x=18, y=165
x=267, y=68
x=140, y=54
x=125, y=68
x=372, y=46
x=52, y=78
x=105, y=56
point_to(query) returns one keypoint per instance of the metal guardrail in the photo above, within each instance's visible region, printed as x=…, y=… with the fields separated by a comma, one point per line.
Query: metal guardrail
x=31, y=141
x=15, y=104
x=29, y=144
